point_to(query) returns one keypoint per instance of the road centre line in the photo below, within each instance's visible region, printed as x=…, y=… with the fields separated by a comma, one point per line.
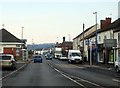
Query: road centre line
x=70, y=77
x=85, y=81
x=116, y=80
x=73, y=80
x=12, y=72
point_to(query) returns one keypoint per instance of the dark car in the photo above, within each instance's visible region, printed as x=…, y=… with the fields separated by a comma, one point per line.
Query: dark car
x=49, y=57
x=37, y=58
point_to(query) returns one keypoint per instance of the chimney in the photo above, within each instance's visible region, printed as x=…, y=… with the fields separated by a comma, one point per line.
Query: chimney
x=63, y=39
x=104, y=23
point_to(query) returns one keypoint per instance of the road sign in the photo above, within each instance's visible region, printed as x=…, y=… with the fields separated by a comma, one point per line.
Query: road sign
x=110, y=43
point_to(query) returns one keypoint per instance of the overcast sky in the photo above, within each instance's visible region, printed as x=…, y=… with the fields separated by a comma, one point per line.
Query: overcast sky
x=47, y=21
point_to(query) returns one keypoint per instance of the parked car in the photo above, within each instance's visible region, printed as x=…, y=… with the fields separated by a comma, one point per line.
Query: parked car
x=7, y=61
x=117, y=65
x=37, y=58
x=63, y=57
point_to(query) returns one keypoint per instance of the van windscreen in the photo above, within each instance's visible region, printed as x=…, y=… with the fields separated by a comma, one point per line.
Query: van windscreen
x=76, y=54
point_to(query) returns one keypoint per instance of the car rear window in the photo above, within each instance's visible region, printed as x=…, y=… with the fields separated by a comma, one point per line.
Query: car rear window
x=5, y=57
x=37, y=57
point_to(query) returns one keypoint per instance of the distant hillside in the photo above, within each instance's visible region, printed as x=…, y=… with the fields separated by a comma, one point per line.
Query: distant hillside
x=40, y=46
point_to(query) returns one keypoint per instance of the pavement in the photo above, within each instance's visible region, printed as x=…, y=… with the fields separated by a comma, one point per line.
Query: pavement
x=101, y=66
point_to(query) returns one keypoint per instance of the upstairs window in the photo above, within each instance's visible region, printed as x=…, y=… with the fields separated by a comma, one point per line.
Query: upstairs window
x=105, y=37
x=111, y=35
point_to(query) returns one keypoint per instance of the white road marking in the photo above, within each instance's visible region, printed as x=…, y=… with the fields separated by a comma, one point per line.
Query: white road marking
x=80, y=79
x=57, y=70
x=69, y=78
x=50, y=65
x=74, y=80
x=77, y=78
x=12, y=72
x=116, y=80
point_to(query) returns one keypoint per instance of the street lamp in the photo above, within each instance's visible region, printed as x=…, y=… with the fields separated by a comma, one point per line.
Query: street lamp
x=96, y=38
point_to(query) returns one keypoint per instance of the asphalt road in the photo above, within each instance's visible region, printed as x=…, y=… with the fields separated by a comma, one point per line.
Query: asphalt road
x=60, y=73
x=38, y=74
x=87, y=76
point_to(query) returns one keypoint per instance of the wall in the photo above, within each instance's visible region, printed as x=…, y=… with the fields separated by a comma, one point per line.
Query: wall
x=1, y=49
x=102, y=34
x=118, y=46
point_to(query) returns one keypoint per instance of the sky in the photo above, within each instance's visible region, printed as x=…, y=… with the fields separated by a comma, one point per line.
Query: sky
x=47, y=21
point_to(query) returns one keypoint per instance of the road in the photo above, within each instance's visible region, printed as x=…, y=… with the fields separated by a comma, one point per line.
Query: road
x=60, y=73
x=37, y=74
x=87, y=76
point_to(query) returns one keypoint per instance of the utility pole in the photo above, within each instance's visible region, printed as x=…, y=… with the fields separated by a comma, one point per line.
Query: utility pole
x=22, y=44
x=83, y=40
x=90, y=51
x=96, y=38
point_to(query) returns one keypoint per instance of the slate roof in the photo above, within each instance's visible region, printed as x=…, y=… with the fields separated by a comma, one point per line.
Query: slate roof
x=8, y=37
x=115, y=26
x=85, y=31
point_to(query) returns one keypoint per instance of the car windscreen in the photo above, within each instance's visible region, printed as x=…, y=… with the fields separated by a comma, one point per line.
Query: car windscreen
x=75, y=54
x=5, y=57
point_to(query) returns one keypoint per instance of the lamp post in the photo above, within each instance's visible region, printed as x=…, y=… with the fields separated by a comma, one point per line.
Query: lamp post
x=90, y=51
x=96, y=38
x=22, y=44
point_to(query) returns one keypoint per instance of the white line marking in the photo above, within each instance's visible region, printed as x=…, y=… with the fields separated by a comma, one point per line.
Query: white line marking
x=74, y=80
x=85, y=81
x=77, y=78
x=12, y=72
x=69, y=78
x=116, y=80
x=57, y=70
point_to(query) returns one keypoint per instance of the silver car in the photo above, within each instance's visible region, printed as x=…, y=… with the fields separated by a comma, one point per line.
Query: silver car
x=7, y=61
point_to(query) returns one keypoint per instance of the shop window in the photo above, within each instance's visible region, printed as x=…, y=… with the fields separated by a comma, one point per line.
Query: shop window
x=119, y=53
x=111, y=35
x=105, y=37
x=99, y=38
x=118, y=37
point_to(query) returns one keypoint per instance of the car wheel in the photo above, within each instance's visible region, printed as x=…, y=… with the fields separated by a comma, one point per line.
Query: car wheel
x=14, y=67
x=70, y=61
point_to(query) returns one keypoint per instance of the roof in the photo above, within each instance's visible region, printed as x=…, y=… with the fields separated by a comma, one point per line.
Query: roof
x=85, y=31
x=115, y=26
x=67, y=43
x=8, y=37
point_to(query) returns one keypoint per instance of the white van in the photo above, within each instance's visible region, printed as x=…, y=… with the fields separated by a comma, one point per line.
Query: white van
x=74, y=56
